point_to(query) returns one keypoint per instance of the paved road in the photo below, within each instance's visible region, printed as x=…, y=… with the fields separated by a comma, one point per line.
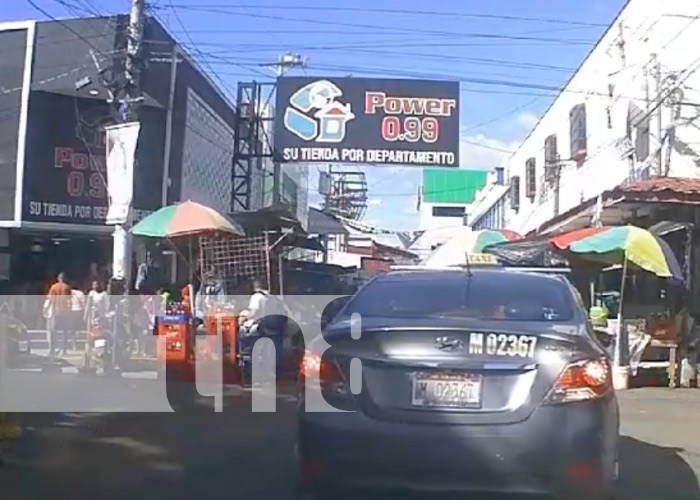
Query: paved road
x=239, y=454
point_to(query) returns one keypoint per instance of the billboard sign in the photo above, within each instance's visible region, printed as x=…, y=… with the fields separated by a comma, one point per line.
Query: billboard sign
x=366, y=120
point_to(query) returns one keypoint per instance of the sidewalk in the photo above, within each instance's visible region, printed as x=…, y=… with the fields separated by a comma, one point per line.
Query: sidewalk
x=660, y=447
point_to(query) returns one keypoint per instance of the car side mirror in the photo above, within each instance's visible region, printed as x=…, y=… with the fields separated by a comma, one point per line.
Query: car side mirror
x=603, y=337
x=332, y=310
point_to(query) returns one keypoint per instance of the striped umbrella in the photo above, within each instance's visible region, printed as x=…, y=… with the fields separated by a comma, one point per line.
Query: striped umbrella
x=617, y=244
x=185, y=219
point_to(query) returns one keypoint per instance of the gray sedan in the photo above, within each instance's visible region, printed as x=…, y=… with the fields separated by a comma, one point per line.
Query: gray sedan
x=489, y=381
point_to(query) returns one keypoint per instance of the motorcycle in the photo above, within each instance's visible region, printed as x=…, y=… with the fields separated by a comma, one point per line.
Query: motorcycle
x=98, y=356
x=106, y=352
x=271, y=327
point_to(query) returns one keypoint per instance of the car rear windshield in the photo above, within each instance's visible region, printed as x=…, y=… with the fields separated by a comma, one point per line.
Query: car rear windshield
x=517, y=297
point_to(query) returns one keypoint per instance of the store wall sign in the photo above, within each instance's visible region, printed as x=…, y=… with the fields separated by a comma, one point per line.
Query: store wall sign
x=82, y=177
x=66, y=174
x=371, y=121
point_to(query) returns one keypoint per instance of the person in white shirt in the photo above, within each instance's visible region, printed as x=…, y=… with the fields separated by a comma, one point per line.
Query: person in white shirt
x=77, y=312
x=95, y=310
x=256, y=306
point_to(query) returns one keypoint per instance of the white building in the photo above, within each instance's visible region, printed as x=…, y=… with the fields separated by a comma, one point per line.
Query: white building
x=629, y=112
x=446, y=196
x=491, y=205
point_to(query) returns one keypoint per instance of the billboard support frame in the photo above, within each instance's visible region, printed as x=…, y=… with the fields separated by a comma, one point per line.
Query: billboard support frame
x=251, y=142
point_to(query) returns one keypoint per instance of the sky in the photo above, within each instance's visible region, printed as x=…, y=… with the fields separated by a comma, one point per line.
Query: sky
x=510, y=57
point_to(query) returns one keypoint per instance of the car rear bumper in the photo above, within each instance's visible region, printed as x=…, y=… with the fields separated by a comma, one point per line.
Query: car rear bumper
x=566, y=451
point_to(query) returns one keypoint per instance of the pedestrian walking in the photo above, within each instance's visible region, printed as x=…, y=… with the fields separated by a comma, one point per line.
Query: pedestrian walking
x=95, y=313
x=78, y=300
x=57, y=310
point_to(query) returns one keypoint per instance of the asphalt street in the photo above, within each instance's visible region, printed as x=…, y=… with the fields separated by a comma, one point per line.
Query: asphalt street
x=196, y=453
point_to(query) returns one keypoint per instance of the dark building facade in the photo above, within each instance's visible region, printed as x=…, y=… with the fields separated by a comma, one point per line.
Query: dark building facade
x=54, y=102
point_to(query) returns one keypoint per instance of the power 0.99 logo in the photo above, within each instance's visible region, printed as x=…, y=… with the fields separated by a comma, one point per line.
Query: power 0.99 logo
x=315, y=114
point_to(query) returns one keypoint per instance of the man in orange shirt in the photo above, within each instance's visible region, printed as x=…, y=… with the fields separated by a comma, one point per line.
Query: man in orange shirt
x=58, y=305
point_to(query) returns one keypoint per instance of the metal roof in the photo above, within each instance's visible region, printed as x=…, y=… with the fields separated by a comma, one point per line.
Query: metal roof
x=323, y=223
x=625, y=197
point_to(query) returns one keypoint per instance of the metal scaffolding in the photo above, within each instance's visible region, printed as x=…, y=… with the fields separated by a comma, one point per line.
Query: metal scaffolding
x=236, y=261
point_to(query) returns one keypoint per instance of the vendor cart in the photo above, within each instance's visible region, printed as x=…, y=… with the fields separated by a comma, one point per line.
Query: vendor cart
x=176, y=346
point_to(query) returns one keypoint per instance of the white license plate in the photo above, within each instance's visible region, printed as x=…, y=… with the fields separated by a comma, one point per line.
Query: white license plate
x=100, y=343
x=447, y=390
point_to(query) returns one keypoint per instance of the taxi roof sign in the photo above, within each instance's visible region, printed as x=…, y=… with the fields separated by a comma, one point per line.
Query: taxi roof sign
x=481, y=259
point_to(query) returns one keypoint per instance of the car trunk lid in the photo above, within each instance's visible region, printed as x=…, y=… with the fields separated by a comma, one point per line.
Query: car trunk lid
x=489, y=373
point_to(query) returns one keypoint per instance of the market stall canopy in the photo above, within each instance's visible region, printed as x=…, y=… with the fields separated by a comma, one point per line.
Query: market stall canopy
x=612, y=245
x=185, y=219
x=667, y=227
x=277, y=219
x=324, y=223
x=527, y=253
x=454, y=251
x=267, y=219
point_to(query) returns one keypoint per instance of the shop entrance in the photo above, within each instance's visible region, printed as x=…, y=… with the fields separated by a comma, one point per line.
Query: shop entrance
x=38, y=258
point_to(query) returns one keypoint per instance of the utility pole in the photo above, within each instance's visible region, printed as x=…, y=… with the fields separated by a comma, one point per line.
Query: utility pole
x=557, y=186
x=121, y=164
x=133, y=58
x=659, y=108
x=283, y=64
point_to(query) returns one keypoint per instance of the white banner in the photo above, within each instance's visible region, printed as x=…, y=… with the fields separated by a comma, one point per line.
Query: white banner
x=121, y=149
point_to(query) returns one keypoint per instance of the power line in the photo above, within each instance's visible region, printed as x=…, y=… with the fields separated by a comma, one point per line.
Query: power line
x=433, y=75
x=501, y=117
x=486, y=146
x=404, y=12
x=65, y=25
x=194, y=46
x=54, y=77
x=85, y=7
x=380, y=27
x=442, y=57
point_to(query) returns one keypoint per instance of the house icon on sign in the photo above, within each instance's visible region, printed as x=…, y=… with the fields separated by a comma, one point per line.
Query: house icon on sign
x=333, y=118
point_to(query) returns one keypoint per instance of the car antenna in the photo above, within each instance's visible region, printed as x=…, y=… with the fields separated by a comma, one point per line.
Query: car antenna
x=469, y=267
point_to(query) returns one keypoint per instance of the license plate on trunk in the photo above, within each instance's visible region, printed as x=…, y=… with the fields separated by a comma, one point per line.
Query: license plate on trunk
x=447, y=390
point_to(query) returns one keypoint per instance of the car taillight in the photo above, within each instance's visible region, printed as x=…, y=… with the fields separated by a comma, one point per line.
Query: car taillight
x=582, y=381
x=314, y=366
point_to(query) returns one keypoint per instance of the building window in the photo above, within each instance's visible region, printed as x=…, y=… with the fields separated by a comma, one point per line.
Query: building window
x=577, y=132
x=530, y=178
x=515, y=192
x=449, y=211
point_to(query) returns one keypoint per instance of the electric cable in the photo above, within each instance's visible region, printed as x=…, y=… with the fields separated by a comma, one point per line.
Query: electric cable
x=562, y=41
x=420, y=13
x=182, y=25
